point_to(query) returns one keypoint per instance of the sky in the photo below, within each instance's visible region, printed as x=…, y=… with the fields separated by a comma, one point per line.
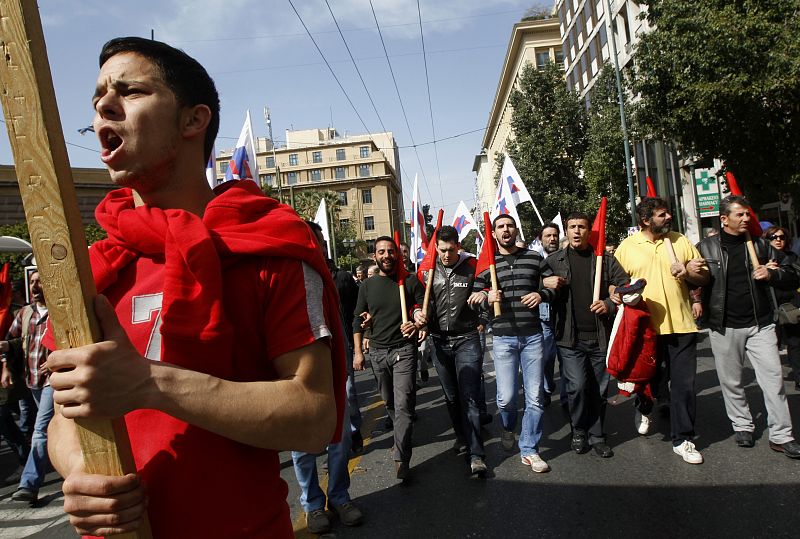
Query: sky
x=259, y=55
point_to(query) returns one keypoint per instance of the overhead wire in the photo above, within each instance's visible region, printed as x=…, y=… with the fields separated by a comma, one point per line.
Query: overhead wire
x=430, y=105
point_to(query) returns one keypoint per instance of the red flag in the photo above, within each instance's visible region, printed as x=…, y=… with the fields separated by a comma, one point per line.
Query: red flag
x=753, y=227
x=486, y=257
x=597, y=237
x=5, y=300
x=430, y=252
x=651, y=189
x=400, y=266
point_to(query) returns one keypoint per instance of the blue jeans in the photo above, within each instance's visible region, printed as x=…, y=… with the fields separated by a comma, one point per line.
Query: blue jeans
x=305, y=468
x=27, y=413
x=350, y=389
x=459, y=362
x=9, y=431
x=511, y=353
x=38, y=460
x=550, y=353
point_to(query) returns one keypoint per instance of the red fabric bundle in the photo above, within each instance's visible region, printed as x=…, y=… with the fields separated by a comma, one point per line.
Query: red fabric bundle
x=5, y=300
x=632, y=353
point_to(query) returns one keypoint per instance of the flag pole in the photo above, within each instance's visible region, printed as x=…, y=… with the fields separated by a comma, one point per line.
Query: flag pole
x=432, y=271
x=487, y=226
x=401, y=283
x=599, y=248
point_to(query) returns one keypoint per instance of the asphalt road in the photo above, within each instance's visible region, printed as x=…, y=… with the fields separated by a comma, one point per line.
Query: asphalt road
x=645, y=489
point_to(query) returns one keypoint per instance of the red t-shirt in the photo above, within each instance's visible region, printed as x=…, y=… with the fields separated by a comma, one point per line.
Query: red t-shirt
x=201, y=484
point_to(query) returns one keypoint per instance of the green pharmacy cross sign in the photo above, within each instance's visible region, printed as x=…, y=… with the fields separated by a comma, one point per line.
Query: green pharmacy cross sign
x=707, y=193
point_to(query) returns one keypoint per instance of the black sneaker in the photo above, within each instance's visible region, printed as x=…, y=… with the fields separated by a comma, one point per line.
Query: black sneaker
x=791, y=449
x=603, y=450
x=25, y=495
x=744, y=438
x=477, y=467
x=318, y=521
x=356, y=443
x=579, y=443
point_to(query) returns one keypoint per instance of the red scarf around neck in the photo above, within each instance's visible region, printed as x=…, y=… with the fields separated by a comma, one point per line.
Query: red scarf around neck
x=239, y=221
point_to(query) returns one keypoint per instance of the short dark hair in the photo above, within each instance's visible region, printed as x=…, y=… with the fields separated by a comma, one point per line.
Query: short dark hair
x=385, y=238
x=726, y=203
x=503, y=216
x=361, y=268
x=551, y=225
x=447, y=234
x=647, y=207
x=182, y=74
x=314, y=226
x=573, y=216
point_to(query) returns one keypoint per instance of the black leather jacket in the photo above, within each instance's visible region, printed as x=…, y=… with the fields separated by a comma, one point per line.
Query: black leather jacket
x=713, y=293
x=449, y=314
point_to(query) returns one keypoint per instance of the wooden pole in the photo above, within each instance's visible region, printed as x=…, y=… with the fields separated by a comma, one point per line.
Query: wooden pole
x=598, y=275
x=403, y=306
x=495, y=287
x=751, y=250
x=54, y=222
x=673, y=258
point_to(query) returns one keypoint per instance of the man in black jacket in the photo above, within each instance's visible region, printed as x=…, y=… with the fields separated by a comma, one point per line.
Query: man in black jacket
x=582, y=327
x=739, y=313
x=453, y=325
x=392, y=349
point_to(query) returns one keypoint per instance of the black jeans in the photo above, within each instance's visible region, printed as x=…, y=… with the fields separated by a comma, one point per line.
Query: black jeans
x=790, y=336
x=584, y=370
x=679, y=351
x=459, y=363
x=396, y=369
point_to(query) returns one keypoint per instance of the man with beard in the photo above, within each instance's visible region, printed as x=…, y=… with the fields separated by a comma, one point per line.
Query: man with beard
x=645, y=255
x=517, y=338
x=23, y=352
x=392, y=346
x=738, y=310
x=582, y=327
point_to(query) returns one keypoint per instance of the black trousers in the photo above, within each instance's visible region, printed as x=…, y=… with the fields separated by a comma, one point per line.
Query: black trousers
x=679, y=352
x=396, y=370
x=584, y=370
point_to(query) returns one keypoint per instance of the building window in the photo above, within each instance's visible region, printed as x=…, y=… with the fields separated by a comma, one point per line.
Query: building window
x=363, y=151
x=342, y=198
x=316, y=175
x=291, y=178
x=560, y=59
x=293, y=159
x=370, y=246
x=363, y=171
x=270, y=162
x=366, y=196
x=542, y=57
x=340, y=154
x=316, y=157
x=344, y=223
x=268, y=179
x=369, y=224
x=341, y=173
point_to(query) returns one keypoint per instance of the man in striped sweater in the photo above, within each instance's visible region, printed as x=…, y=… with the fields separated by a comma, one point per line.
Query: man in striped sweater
x=517, y=338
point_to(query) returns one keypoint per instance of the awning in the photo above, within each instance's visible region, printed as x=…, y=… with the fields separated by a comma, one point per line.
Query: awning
x=10, y=244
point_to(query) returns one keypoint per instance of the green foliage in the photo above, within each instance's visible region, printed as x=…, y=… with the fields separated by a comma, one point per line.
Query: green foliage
x=722, y=78
x=549, y=125
x=604, y=161
x=306, y=204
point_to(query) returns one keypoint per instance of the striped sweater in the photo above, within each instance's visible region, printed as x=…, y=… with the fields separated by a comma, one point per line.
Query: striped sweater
x=518, y=274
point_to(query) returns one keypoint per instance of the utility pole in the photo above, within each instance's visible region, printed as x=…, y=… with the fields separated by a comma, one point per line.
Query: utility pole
x=624, y=124
x=268, y=119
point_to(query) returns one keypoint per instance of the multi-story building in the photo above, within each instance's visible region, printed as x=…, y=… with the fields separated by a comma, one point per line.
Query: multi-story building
x=536, y=42
x=91, y=185
x=364, y=170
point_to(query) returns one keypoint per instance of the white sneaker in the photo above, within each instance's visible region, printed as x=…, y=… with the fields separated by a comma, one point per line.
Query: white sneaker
x=642, y=422
x=507, y=440
x=688, y=452
x=536, y=463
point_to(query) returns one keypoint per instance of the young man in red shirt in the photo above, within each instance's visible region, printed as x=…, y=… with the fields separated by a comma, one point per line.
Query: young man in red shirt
x=222, y=342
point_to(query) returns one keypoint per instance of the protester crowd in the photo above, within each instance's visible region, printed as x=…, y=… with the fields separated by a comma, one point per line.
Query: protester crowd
x=205, y=378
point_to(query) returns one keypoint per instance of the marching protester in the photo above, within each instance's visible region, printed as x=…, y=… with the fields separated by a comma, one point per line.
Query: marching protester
x=582, y=328
x=789, y=333
x=645, y=255
x=23, y=352
x=517, y=338
x=192, y=282
x=312, y=498
x=738, y=310
x=393, y=343
x=453, y=326
x=550, y=234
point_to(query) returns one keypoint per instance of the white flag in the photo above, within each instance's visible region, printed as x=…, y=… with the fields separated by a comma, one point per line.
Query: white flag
x=321, y=218
x=419, y=238
x=243, y=164
x=463, y=221
x=516, y=190
x=504, y=204
x=561, y=231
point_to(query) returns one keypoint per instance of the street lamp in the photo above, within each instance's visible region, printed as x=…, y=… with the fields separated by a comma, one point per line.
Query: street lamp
x=349, y=244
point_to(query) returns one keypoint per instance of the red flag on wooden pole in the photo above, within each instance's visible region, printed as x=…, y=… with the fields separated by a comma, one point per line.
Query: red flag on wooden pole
x=597, y=238
x=753, y=227
x=486, y=257
x=401, y=273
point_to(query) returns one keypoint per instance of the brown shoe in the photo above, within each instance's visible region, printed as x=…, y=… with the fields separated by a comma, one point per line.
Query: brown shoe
x=401, y=468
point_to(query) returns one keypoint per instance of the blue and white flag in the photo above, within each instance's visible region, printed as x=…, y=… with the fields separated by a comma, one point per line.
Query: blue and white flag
x=211, y=168
x=505, y=204
x=419, y=238
x=463, y=221
x=243, y=165
x=516, y=190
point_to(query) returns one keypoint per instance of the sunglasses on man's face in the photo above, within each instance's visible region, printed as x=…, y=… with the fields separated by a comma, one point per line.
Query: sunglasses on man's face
x=780, y=237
